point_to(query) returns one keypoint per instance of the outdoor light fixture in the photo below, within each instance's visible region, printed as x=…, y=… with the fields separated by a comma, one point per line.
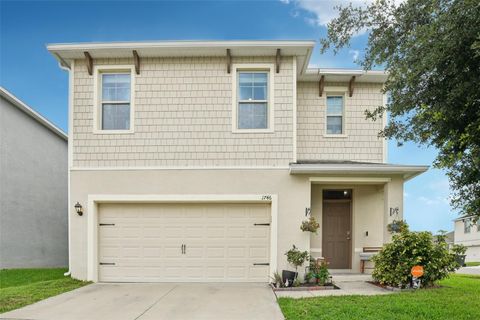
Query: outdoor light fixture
x=79, y=209
x=345, y=193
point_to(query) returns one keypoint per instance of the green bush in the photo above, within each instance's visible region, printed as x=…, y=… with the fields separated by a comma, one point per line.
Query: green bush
x=317, y=270
x=407, y=249
x=296, y=257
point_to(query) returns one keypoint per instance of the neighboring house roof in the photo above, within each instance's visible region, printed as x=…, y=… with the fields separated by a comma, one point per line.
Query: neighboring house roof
x=463, y=218
x=449, y=236
x=301, y=49
x=32, y=113
x=339, y=167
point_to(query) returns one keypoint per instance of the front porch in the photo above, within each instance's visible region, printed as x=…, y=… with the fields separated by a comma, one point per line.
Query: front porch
x=353, y=203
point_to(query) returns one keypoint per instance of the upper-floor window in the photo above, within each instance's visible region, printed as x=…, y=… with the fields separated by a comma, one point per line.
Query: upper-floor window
x=467, y=225
x=335, y=114
x=253, y=99
x=114, y=111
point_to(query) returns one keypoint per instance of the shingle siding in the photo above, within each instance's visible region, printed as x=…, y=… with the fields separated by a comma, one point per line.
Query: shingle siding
x=183, y=117
x=361, y=142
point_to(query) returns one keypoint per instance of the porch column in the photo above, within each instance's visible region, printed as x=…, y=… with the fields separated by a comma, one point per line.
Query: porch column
x=393, y=200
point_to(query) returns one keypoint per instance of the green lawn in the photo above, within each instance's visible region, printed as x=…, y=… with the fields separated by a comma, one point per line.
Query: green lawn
x=458, y=299
x=20, y=287
x=472, y=264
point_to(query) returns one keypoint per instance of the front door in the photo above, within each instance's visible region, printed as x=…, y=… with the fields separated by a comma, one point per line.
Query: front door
x=337, y=232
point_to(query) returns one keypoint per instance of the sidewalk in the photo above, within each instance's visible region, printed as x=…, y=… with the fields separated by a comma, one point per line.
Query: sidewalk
x=349, y=284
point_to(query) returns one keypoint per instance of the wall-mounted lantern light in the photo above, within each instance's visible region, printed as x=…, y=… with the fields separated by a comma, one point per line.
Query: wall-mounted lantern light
x=79, y=209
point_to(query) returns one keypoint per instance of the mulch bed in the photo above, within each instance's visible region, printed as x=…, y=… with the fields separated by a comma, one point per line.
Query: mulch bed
x=307, y=287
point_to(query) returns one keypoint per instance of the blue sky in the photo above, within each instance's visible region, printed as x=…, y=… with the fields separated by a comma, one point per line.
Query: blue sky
x=32, y=74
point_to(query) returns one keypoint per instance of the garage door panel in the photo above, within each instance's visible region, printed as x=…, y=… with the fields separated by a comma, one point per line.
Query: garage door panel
x=237, y=232
x=222, y=243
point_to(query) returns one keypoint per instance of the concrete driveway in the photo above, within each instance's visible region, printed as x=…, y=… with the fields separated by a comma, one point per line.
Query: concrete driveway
x=156, y=301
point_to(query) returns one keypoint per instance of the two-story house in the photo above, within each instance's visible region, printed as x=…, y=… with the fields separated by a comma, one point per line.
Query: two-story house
x=198, y=160
x=467, y=233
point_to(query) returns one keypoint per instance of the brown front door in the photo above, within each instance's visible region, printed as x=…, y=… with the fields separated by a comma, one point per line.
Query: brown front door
x=337, y=233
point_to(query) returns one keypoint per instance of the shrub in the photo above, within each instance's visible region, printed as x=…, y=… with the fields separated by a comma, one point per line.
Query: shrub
x=407, y=249
x=296, y=257
x=317, y=270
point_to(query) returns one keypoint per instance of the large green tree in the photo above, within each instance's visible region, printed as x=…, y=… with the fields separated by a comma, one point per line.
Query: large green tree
x=431, y=50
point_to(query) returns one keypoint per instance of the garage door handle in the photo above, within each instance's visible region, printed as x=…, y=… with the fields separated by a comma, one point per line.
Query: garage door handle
x=107, y=263
x=261, y=264
x=106, y=224
x=261, y=224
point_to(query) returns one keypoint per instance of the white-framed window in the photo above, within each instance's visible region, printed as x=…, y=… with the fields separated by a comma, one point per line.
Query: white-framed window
x=335, y=115
x=467, y=226
x=114, y=96
x=252, y=98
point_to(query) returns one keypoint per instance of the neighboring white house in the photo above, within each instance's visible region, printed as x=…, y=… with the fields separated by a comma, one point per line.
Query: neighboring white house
x=468, y=234
x=33, y=188
x=198, y=160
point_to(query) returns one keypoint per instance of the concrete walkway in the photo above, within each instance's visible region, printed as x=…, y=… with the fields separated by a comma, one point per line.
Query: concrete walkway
x=349, y=284
x=469, y=270
x=156, y=301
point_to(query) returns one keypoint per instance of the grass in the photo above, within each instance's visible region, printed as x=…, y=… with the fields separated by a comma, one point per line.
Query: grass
x=472, y=264
x=457, y=299
x=21, y=287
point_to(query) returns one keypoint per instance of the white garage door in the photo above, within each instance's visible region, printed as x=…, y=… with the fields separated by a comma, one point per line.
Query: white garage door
x=184, y=242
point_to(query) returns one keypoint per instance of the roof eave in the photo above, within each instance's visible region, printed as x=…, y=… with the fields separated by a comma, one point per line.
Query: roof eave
x=408, y=172
x=32, y=113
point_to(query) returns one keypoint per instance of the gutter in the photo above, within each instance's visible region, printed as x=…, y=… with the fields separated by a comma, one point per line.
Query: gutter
x=67, y=68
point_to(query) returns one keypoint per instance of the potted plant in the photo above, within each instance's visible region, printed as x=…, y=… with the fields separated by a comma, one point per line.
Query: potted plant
x=310, y=225
x=459, y=251
x=296, y=258
x=397, y=226
x=317, y=270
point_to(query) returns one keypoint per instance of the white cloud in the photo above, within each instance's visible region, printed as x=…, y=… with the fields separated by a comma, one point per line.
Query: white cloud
x=355, y=54
x=436, y=201
x=323, y=11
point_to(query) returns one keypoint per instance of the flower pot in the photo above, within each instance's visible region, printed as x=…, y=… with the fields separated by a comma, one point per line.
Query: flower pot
x=290, y=275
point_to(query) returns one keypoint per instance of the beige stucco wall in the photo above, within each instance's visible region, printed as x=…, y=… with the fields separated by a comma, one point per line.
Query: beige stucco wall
x=293, y=197
x=183, y=117
x=471, y=240
x=360, y=142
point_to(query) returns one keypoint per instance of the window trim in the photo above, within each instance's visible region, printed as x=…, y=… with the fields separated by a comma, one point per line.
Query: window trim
x=97, y=95
x=336, y=93
x=269, y=68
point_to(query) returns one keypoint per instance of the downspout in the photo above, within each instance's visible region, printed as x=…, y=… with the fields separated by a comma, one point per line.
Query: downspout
x=69, y=149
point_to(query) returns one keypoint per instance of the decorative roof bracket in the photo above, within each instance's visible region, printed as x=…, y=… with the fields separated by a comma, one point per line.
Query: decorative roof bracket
x=351, y=86
x=321, y=85
x=89, y=59
x=136, y=60
x=229, y=61
x=277, y=61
